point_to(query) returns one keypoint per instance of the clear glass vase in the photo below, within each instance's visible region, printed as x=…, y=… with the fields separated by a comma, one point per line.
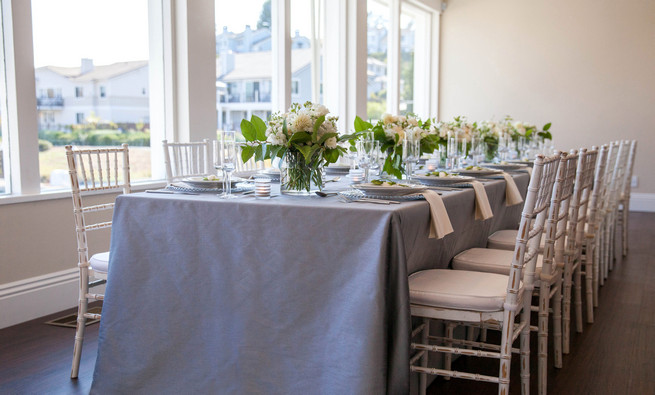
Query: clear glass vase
x=298, y=177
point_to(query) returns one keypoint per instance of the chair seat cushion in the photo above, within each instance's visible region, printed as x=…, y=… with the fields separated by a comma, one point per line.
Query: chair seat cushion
x=100, y=262
x=458, y=289
x=506, y=240
x=488, y=260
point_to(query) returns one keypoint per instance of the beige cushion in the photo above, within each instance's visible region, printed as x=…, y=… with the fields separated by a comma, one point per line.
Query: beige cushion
x=488, y=260
x=100, y=262
x=457, y=289
x=506, y=240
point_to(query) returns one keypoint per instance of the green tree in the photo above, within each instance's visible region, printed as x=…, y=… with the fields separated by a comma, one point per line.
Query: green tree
x=265, y=16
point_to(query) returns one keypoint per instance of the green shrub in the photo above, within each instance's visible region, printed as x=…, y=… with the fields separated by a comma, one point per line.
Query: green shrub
x=44, y=145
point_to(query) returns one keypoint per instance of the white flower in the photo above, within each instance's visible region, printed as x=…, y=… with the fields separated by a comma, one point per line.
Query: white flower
x=402, y=119
x=412, y=121
x=331, y=143
x=302, y=122
x=388, y=118
x=320, y=110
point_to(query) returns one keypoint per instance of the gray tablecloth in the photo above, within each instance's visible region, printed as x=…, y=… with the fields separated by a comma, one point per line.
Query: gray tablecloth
x=280, y=296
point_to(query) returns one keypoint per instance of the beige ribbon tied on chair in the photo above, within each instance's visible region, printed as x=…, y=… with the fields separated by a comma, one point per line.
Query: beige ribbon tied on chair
x=512, y=194
x=440, y=224
x=482, y=207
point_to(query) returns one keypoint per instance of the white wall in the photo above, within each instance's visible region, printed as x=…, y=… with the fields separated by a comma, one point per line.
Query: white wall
x=586, y=65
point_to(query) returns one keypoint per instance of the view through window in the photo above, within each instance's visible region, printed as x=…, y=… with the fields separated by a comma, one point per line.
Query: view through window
x=407, y=34
x=243, y=61
x=91, y=75
x=376, y=62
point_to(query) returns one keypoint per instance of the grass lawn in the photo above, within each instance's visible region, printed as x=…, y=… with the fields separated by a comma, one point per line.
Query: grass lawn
x=55, y=159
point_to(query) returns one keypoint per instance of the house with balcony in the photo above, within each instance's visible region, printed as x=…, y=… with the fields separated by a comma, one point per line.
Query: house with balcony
x=70, y=95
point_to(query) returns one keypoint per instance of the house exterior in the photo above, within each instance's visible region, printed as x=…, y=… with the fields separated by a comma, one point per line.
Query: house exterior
x=70, y=95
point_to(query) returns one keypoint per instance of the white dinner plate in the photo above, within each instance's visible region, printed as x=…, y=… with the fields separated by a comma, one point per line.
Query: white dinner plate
x=447, y=180
x=506, y=166
x=392, y=190
x=481, y=172
x=199, y=182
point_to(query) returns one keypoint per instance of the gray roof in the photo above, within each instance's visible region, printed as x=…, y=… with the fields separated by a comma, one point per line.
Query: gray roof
x=99, y=72
x=259, y=65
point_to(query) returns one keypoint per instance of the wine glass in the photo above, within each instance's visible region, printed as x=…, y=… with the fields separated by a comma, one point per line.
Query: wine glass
x=367, y=155
x=229, y=152
x=411, y=155
x=218, y=162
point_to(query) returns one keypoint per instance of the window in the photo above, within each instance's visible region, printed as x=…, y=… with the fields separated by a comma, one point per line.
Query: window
x=243, y=56
x=407, y=34
x=101, y=57
x=306, y=50
x=376, y=62
x=4, y=144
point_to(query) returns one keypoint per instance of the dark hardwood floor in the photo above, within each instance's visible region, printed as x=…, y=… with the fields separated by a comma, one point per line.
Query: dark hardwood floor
x=612, y=356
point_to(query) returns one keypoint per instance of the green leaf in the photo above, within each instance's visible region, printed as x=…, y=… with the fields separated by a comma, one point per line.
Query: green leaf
x=300, y=137
x=307, y=151
x=248, y=130
x=259, y=152
x=260, y=127
x=247, y=152
x=547, y=126
x=331, y=155
x=317, y=125
x=361, y=125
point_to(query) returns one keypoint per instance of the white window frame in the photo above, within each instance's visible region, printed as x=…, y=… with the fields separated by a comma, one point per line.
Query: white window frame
x=182, y=76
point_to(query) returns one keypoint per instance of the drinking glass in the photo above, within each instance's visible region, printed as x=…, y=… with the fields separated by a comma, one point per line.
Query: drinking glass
x=367, y=155
x=229, y=152
x=218, y=162
x=452, y=149
x=411, y=155
x=503, y=146
x=476, y=149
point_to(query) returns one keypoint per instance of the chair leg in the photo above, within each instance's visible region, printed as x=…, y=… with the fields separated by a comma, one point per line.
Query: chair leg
x=542, y=336
x=596, y=263
x=506, y=352
x=82, y=307
x=589, y=291
x=624, y=225
x=578, y=297
x=566, y=310
x=557, y=323
x=525, y=347
x=423, y=377
x=448, y=358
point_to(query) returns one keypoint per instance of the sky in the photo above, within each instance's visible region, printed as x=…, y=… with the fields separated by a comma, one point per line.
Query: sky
x=110, y=31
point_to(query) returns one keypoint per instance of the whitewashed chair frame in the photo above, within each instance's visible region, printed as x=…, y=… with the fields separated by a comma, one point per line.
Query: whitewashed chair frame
x=192, y=159
x=594, y=221
x=605, y=211
x=517, y=300
x=548, y=286
x=624, y=200
x=106, y=170
x=617, y=188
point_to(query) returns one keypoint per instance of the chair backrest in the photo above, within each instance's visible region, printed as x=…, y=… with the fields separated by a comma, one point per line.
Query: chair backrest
x=100, y=169
x=251, y=164
x=616, y=186
x=580, y=202
x=606, y=187
x=627, y=181
x=558, y=213
x=593, y=216
x=184, y=160
x=532, y=226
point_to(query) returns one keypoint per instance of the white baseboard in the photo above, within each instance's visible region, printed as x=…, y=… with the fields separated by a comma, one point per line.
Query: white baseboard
x=36, y=297
x=644, y=202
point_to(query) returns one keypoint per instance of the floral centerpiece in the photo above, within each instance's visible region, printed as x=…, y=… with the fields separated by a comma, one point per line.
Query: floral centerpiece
x=391, y=130
x=305, y=138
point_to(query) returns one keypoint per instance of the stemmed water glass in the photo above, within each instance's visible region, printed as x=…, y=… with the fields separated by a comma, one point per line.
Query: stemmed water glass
x=411, y=155
x=367, y=155
x=229, y=156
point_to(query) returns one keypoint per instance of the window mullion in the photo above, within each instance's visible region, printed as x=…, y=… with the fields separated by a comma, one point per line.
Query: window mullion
x=393, y=58
x=281, y=53
x=21, y=101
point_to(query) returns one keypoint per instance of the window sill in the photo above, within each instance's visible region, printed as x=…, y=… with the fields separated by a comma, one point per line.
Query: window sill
x=66, y=194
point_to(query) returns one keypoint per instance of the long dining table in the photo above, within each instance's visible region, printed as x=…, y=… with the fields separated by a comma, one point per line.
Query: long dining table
x=290, y=295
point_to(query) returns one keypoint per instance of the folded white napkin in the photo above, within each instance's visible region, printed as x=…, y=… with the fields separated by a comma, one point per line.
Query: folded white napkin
x=512, y=194
x=482, y=207
x=528, y=170
x=439, y=220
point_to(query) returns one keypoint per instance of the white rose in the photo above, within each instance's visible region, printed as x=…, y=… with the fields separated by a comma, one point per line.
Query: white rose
x=388, y=118
x=331, y=143
x=402, y=119
x=412, y=121
x=321, y=110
